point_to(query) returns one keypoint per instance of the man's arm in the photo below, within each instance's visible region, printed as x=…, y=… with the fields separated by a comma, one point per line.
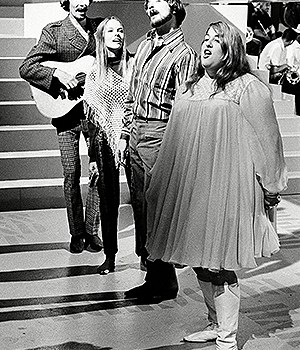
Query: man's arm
x=185, y=67
x=47, y=79
x=32, y=70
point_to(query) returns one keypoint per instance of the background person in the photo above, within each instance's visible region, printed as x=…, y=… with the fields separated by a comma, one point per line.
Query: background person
x=221, y=162
x=106, y=88
x=66, y=41
x=259, y=19
x=163, y=62
x=291, y=80
x=274, y=56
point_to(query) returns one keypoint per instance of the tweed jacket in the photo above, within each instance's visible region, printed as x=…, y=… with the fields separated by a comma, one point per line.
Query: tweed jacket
x=59, y=41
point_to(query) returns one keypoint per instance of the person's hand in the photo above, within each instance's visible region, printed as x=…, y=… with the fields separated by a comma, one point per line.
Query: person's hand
x=93, y=174
x=122, y=151
x=67, y=80
x=68, y=83
x=271, y=199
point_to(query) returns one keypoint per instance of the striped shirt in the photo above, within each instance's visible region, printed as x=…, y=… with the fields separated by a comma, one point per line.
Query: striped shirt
x=157, y=73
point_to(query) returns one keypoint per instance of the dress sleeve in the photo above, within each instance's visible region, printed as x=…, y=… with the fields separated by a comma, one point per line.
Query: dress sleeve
x=263, y=135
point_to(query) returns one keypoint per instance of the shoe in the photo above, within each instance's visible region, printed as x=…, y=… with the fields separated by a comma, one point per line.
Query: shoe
x=76, y=244
x=209, y=333
x=147, y=292
x=94, y=241
x=107, y=267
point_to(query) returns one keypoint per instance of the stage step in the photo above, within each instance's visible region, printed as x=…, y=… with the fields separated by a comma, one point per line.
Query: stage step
x=28, y=138
x=11, y=11
x=44, y=193
x=16, y=47
x=21, y=113
x=288, y=123
x=9, y=67
x=291, y=142
x=286, y=106
x=293, y=183
x=15, y=89
x=292, y=159
x=31, y=165
x=12, y=27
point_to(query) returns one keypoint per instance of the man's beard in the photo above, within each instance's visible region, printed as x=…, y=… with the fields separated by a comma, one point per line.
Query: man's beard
x=162, y=21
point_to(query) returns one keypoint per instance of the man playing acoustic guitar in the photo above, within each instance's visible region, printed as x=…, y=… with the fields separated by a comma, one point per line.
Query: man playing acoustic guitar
x=68, y=40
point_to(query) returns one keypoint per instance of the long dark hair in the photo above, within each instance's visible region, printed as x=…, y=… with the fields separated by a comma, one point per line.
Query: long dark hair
x=234, y=58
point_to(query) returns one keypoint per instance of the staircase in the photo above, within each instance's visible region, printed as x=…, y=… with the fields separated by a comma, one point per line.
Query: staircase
x=289, y=124
x=30, y=168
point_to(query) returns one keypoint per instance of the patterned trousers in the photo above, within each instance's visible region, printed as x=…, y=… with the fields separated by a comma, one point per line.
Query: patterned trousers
x=71, y=163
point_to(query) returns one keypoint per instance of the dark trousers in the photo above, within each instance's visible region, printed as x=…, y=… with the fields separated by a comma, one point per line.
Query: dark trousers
x=217, y=278
x=145, y=142
x=109, y=192
x=293, y=90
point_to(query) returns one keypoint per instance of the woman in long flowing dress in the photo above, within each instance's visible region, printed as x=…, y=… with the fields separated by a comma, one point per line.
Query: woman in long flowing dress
x=220, y=162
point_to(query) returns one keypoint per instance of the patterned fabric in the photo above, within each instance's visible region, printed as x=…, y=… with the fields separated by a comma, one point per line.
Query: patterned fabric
x=104, y=104
x=59, y=41
x=157, y=73
x=70, y=159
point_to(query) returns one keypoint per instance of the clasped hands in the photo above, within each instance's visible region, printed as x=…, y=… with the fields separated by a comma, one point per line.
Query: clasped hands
x=271, y=199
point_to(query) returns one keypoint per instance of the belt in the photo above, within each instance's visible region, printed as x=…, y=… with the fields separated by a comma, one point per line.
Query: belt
x=138, y=117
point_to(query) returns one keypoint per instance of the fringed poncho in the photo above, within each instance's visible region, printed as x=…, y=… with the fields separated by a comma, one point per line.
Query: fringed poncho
x=104, y=103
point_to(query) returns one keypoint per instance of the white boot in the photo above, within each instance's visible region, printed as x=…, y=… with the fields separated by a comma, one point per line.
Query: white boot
x=227, y=303
x=210, y=331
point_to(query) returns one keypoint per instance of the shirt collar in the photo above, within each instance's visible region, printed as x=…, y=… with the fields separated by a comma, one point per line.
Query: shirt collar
x=170, y=40
x=79, y=28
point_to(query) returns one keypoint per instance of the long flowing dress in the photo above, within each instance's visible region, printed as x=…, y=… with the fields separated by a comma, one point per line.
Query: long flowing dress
x=205, y=200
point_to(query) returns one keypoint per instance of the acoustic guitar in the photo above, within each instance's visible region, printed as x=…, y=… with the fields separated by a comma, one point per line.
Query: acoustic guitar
x=52, y=107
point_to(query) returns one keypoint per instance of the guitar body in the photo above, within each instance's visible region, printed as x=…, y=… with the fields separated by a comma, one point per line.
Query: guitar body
x=57, y=107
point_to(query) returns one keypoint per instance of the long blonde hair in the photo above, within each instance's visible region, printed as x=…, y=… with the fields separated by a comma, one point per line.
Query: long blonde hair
x=102, y=52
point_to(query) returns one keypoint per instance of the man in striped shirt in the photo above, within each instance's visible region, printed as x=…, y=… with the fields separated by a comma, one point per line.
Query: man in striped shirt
x=163, y=61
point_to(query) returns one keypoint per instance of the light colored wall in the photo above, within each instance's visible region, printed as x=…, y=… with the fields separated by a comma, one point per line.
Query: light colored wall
x=36, y=16
x=132, y=14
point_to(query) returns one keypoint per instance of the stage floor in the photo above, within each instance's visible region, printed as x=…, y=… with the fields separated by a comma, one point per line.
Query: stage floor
x=52, y=299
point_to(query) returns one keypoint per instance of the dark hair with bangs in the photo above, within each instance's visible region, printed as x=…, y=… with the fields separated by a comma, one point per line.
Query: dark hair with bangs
x=234, y=57
x=65, y=4
x=177, y=8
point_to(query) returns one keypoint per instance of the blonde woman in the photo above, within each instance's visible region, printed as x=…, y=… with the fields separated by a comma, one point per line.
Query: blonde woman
x=106, y=88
